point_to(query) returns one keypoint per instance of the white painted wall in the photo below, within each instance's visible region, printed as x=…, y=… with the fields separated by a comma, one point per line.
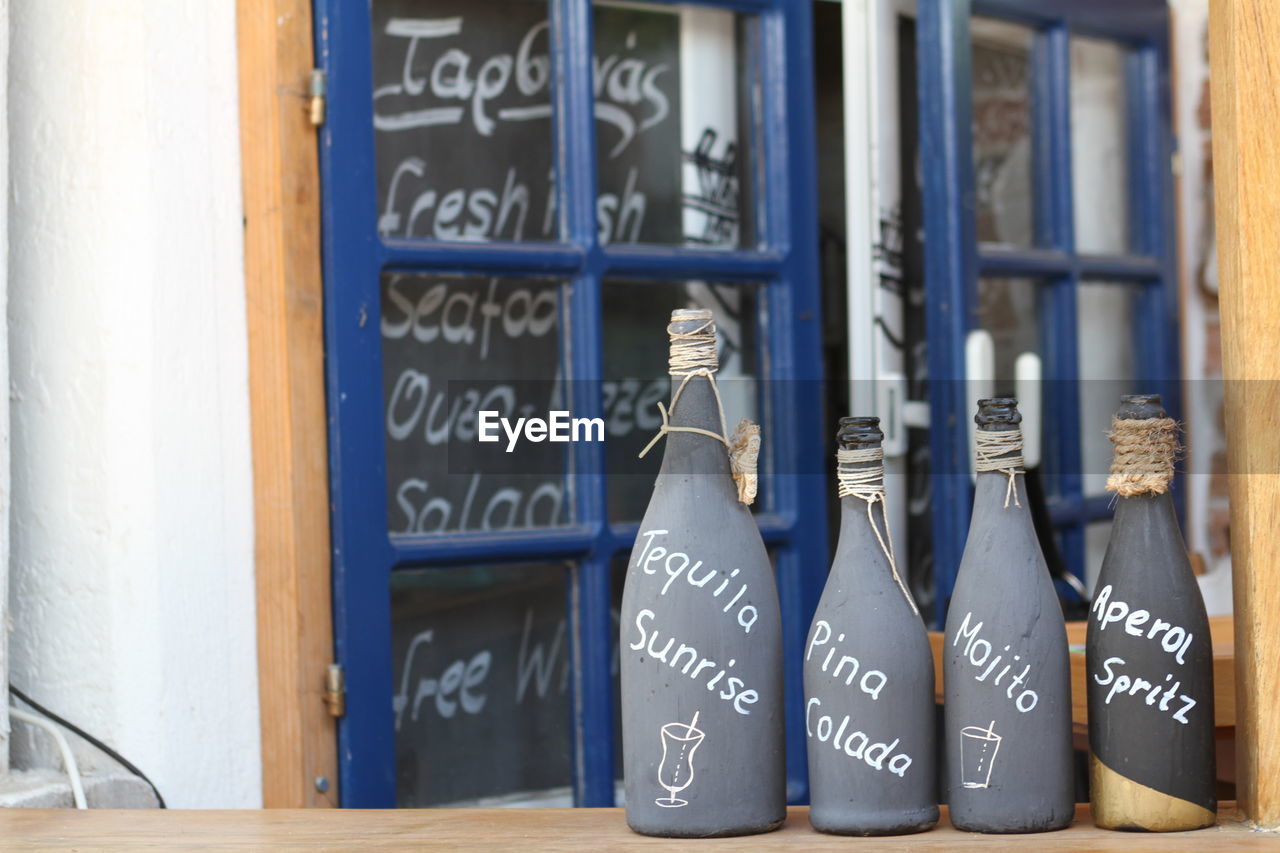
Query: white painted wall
x=132, y=541
x=4, y=402
x=1190, y=19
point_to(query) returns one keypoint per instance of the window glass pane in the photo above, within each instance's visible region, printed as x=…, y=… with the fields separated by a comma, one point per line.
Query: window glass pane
x=461, y=116
x=1002, y=132
x=483, y=699
x=453, y=346
x=1009, y=308
x=1099, y=161
x=635, y=373
x=1105, y=313
x=674, y=142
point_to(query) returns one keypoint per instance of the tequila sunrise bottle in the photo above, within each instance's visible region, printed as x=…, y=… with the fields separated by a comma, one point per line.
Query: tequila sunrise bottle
x=868, y=669
x=1006, y=671
x=1149, y=653
x=700, y=636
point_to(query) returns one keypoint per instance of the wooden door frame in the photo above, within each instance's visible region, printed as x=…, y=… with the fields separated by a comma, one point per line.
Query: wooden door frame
x=284, y=302
x=1244, y=41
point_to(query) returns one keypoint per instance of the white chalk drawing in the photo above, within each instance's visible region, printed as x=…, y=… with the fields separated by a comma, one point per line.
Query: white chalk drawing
x=978, y=748
x=675, y=772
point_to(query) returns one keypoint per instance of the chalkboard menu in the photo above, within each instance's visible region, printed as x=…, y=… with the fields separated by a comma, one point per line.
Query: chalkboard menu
x=453, y=346
x=481, y=666
x=462, y=109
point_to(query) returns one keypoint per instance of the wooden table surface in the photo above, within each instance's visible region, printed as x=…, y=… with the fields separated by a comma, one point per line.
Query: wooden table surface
x=528, y=830
x=1221, y=628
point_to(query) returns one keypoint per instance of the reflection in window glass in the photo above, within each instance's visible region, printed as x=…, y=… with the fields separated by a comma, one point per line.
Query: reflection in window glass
x=673, y=132
x=1009, y=308
x=1002, y=132
x=461, y=118
x=482, y=681
x=1099, y=161
x=635, y=376
x=1105, y=312
x=453, y=346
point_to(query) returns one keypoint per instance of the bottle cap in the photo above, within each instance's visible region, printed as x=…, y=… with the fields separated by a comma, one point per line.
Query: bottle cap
x=998, y=412
x=1140, y=407
x=858, y=432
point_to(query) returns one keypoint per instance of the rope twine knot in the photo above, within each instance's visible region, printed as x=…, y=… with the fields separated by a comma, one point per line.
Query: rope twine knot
x=1000, y=450
x=866, y=483
x=1145, y=451
x=693, y=353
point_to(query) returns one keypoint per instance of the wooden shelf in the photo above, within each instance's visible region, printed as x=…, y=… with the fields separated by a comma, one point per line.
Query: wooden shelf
x=528, y=830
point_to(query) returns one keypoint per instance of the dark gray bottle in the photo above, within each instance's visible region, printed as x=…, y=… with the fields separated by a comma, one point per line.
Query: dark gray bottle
x=1006, y=671
x=1149, y=653
x=868, y=671
x=701, y=639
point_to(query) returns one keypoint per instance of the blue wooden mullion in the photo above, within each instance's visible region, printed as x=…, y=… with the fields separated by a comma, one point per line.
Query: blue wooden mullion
x=1061, y=328
x=1119, y=267
x=1128, y=21
x=361, y=550
x=1006, y=261
x=946, y=147
x=572, y=40
x=660, y=262
x=453, y=549
x=1150, y=153
x=794, y=335
x=994, y=260
x=555, y=259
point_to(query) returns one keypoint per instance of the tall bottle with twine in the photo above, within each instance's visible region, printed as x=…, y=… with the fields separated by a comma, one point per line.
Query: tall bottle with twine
x=1007, y=716
x=868, y=668
x=700, y=635
x=1149, y=655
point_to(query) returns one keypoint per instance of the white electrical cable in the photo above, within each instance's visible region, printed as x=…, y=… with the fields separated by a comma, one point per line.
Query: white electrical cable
x=68, y=758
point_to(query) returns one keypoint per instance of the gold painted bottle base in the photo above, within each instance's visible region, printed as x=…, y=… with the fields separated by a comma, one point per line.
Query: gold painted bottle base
x=1120, y=803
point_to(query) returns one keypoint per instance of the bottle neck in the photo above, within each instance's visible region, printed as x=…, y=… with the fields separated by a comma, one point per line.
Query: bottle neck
x=998, y=463
x=860, y=474
x=694, y=404
x=863, y=518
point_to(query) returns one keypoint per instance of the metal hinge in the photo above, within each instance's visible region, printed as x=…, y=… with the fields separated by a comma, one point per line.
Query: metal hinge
x=335, y=690
x=316, y=102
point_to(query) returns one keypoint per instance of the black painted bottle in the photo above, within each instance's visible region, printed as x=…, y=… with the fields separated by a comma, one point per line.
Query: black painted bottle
x=1006, y=671
x=868, y=670
x=1149, y=653
x=701, y=639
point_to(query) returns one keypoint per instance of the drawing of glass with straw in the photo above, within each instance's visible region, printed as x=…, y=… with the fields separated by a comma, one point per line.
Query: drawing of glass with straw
x=978, y=748
x=675, y=773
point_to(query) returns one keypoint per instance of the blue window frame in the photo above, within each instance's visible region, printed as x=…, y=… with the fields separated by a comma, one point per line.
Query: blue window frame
x=955, y=260
x=365, y=556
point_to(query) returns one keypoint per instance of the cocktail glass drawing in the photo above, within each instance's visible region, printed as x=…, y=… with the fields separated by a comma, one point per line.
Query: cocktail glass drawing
x=675, y=773
x=978, y=748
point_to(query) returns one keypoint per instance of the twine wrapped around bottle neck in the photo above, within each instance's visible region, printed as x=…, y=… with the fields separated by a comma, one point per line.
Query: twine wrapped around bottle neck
x=693, y=353
x=1000, y=450
x=866, y=483
x=1145, y=450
